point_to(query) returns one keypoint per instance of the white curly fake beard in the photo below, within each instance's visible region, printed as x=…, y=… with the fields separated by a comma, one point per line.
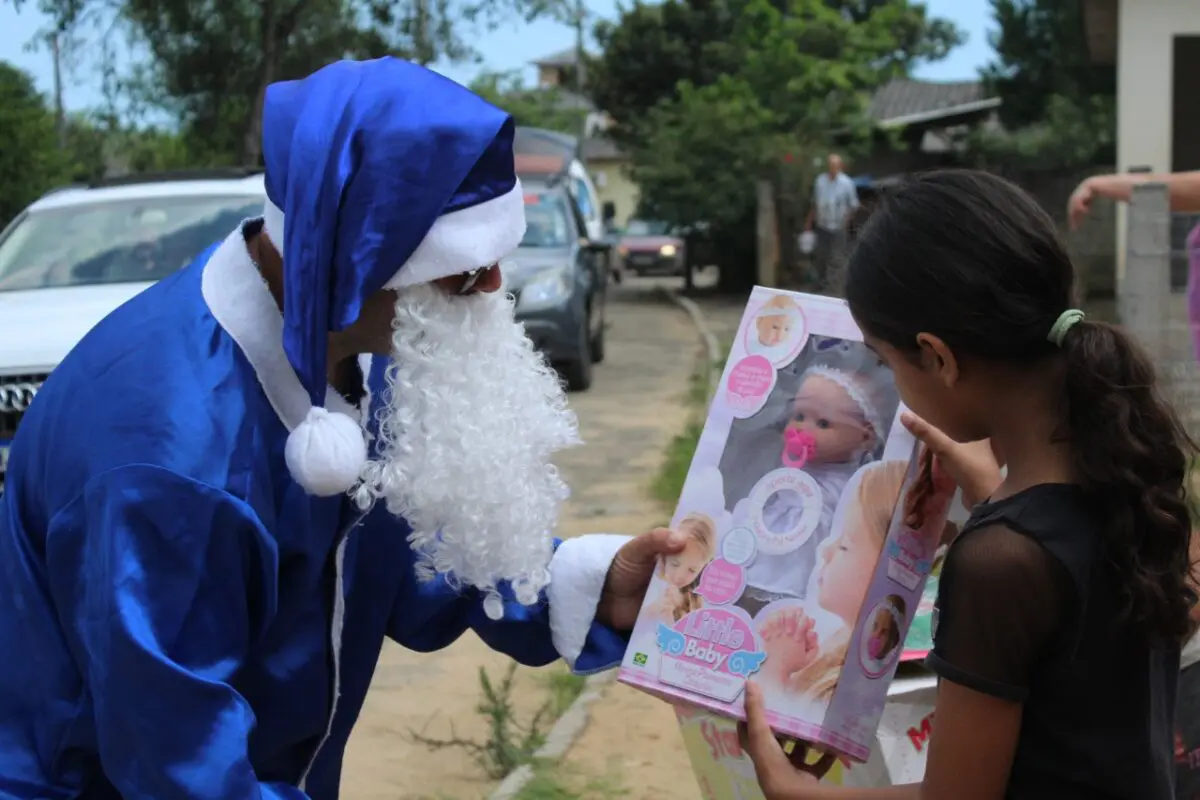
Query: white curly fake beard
x=471, y=420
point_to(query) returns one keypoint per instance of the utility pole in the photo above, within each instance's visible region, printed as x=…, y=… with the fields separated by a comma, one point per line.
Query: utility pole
x=580, y=67
x=60, y=114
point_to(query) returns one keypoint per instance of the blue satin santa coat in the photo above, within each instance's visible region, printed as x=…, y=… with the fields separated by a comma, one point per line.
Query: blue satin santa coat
x=168, y=590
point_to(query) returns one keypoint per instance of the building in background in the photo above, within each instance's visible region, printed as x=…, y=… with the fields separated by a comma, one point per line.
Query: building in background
x=1155, y=45
x=608, y=166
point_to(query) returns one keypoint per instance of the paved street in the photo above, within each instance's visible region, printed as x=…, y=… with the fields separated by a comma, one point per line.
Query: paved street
x=633, y=410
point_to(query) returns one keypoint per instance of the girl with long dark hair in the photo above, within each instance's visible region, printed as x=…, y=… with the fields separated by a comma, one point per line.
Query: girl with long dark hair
x=1065, y=599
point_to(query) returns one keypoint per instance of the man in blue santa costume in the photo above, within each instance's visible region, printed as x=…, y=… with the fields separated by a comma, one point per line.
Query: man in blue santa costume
x=202, y=553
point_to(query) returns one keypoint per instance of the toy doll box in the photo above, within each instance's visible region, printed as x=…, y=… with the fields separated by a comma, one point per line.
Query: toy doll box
x=802, y=568
x=725, y=772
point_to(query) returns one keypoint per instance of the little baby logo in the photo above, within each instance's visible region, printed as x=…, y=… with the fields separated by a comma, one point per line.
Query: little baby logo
x=710, y=652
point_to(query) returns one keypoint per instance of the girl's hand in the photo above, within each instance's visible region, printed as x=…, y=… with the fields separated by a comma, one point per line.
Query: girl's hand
x=972, y=465
x=790, y=640
x=780, y=776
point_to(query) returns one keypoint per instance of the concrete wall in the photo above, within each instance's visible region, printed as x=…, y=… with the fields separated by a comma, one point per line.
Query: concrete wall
x=1145, y=61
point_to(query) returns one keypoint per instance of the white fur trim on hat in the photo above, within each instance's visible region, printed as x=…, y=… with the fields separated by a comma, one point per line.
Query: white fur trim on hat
x=326, y=452
x=460, y=241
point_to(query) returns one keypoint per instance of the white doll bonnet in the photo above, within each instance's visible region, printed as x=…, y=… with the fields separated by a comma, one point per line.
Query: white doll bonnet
x=865, y=393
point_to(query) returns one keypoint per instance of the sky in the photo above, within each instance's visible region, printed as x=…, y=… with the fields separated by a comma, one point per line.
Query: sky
x=509, y=47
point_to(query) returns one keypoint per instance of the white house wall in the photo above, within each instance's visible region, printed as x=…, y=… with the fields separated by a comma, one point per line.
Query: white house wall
x=1145, y=60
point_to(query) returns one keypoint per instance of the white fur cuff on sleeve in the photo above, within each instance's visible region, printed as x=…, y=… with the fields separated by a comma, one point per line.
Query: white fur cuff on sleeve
x=577, y=574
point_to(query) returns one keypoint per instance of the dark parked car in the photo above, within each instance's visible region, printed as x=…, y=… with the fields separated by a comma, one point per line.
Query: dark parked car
x=560, y=280
x=651, y=248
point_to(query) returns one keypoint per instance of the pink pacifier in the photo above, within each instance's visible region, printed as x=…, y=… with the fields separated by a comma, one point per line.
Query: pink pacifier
x=798, y=447
x=875, y=647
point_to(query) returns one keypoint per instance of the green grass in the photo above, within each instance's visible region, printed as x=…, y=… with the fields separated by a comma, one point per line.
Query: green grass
x=677, y=460
x=563, y=686
x=557, y=782
x=668, y=484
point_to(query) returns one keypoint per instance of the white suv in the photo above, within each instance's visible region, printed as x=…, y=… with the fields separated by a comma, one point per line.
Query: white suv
x=78, y=253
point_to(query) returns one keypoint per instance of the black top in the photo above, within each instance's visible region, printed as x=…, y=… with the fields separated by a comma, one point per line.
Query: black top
x=1027, y=611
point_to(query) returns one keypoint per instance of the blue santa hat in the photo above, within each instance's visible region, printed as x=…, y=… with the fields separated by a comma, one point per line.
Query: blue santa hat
x=379, y=174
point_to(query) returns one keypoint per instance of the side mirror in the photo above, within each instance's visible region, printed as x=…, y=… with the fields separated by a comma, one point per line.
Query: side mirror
x=609, y=212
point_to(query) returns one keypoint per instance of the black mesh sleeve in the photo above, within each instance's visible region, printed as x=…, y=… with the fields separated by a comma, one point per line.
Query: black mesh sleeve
x=1001, y=601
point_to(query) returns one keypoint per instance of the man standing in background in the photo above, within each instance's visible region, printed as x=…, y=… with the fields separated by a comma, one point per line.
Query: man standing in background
x=834, y=201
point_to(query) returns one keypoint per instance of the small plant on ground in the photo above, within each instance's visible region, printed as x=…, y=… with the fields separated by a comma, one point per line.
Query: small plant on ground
x=564, y=686
x=561, y=783
x=509, y=743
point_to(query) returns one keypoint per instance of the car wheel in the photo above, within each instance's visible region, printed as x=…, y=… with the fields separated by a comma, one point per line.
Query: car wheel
x=597, y=343
x=578, y=372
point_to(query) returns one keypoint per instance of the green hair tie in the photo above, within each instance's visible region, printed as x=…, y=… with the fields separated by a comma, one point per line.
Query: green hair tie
x=1058, y=331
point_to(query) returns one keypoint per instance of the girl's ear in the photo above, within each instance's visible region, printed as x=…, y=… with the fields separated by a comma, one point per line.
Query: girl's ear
x=938, y=359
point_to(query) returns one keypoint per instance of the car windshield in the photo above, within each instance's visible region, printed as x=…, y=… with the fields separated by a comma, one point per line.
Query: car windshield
x=545, y=222
x=123, y=241
x=641, y=227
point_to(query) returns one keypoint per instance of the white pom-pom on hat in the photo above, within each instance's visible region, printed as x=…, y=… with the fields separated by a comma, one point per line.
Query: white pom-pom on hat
x=326, y=452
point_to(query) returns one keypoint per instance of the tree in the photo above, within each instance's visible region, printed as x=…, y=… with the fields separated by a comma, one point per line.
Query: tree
x=30, y=162
x=709, y=96
x=1047, y=81
x=651, y=49
x=211, y=62
x=549, y=108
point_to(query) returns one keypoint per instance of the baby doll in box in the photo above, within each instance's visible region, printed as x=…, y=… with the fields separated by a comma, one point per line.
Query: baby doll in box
x=832, y=426
x=796, y=570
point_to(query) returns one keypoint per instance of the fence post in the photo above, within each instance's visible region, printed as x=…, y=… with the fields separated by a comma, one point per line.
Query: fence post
x=1144, y=293
x=768, y=237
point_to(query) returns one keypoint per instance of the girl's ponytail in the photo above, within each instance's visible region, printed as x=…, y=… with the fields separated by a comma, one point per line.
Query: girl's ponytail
x=1131, y=457
x=969, y=259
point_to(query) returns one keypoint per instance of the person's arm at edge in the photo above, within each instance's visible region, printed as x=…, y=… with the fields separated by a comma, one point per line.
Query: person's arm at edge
x=1183, y=188
x=163, y=615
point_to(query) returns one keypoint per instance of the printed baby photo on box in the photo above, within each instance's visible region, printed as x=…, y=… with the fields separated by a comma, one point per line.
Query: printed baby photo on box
x=811, y=520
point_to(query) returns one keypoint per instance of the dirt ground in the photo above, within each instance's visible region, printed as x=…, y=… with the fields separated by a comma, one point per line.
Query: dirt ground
x=632, y=735
x=635, y=407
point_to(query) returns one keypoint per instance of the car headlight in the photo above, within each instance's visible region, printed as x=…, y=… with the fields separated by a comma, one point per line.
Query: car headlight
x=668, y=250
x=545, y=290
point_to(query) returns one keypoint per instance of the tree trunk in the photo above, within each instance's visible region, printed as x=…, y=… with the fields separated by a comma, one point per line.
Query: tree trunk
x=60, y=112
x=736, y=254
x=269, y=37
